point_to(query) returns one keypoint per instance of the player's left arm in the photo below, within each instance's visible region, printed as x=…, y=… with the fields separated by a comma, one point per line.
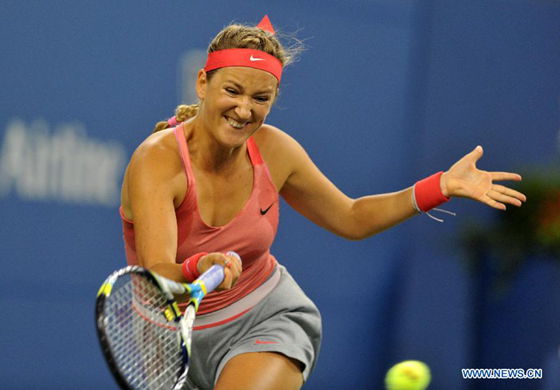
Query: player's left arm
x=312, y=194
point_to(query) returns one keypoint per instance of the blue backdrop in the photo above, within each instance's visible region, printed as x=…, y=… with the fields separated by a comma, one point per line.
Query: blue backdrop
x=386, y=92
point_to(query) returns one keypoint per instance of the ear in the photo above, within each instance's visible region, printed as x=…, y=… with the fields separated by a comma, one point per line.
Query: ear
x=201, y=84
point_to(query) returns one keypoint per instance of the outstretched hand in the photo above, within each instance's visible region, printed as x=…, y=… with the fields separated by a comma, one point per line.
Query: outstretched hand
x=465, y=180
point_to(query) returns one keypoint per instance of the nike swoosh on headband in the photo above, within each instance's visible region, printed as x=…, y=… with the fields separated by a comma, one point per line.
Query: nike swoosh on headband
x=255, y=59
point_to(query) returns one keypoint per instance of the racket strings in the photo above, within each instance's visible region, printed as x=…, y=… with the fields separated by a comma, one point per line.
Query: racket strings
x=144, y=342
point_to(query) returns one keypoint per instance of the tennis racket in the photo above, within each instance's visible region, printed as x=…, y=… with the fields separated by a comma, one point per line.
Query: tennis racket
x=143, y=335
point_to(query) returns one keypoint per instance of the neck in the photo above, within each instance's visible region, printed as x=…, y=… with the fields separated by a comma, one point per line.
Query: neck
x=207, y=153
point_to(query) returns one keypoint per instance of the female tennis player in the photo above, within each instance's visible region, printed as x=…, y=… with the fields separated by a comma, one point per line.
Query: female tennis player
x=208, y=181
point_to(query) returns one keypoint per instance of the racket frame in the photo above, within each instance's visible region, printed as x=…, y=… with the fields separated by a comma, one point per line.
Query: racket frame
x=196, y=290
x=165, y=286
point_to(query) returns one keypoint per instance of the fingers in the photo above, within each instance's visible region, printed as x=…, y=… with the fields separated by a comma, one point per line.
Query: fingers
x=497, y=200
x=502, y=176
x=516, y=197
x=492, y=203
x=499, y=195
x=232, y=267
x=232, y=270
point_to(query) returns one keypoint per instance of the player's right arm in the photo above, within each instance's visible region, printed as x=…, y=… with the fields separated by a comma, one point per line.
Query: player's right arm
x=154, y=185
x=150, y=190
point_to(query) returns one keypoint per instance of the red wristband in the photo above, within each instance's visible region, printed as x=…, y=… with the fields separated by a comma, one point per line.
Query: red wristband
x=190, y=267
x=427, y=193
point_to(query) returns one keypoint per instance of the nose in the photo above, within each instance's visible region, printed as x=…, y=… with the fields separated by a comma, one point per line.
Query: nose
x=243, y=109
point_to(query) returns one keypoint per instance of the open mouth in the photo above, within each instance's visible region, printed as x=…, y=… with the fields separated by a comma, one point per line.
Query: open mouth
x=235, y=124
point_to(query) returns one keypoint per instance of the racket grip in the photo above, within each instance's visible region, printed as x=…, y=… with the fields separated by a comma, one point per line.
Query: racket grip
x=213, y=277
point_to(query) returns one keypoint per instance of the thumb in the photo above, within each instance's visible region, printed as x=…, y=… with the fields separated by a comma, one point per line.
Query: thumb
x=476, y=153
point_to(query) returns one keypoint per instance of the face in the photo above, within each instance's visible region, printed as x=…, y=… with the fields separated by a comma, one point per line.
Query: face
x=235, y=102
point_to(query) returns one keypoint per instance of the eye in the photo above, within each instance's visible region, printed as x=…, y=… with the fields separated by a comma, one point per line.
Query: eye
x=231, y=90
x=262, y=99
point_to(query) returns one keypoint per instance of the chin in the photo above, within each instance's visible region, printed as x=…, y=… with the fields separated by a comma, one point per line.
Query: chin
x=237, y=137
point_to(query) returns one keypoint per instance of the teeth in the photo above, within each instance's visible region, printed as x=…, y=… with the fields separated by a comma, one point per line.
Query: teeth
x=234, y=123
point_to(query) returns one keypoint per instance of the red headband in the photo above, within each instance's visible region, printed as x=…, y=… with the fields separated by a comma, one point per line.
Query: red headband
x=250, y=58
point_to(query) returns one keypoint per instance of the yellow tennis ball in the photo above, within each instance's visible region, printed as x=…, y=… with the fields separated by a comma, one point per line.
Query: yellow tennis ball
x=408, y=375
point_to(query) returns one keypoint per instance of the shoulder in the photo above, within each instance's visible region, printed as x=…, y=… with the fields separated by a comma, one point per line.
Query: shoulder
x=274, y=143
x=159, y=148
x=281, y=152
x=159, y=144
x=157, y=157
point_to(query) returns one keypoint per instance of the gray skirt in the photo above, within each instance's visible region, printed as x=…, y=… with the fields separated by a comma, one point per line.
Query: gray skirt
x=285, y=320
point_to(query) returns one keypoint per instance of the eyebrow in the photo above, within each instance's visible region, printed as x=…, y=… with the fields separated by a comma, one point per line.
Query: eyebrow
x=237, y=85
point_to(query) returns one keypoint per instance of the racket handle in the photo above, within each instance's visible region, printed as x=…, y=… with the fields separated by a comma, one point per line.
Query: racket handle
x=213, y=277
x=215, y=274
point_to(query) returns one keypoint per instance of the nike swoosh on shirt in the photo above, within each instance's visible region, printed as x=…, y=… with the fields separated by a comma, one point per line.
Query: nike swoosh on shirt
x=255, y=59
x=263, y=212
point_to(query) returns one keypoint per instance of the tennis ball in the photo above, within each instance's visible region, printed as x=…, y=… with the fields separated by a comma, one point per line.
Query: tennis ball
x=408, y=375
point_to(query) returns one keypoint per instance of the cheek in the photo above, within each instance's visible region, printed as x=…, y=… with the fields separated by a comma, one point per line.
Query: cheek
x=219, y=103
x=262, y=112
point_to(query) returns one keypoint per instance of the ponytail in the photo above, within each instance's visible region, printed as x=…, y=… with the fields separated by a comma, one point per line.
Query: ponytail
x=182, y=113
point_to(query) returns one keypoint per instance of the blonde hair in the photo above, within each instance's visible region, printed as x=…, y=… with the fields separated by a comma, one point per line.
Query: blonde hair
x=237, y=36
